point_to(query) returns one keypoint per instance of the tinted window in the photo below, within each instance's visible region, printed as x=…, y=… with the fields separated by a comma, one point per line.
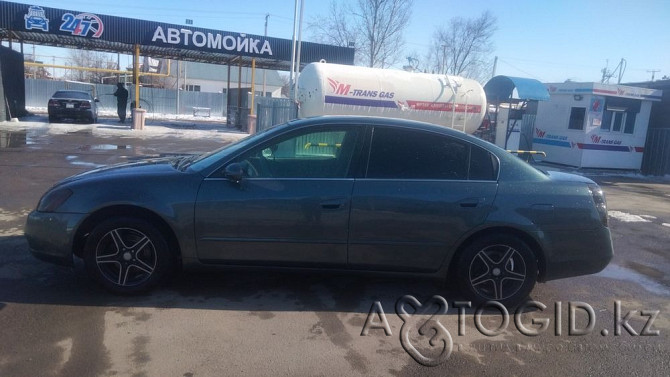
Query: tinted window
x=410, y=154
x=630, y=123
x=577, y=115
x=71, y=94
x=306, y=154
x=483, y=166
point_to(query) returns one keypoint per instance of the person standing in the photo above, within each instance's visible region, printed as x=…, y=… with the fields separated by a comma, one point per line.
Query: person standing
x=121, y=101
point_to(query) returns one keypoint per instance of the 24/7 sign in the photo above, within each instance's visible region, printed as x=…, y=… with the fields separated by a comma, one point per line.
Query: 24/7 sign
x=82, y=24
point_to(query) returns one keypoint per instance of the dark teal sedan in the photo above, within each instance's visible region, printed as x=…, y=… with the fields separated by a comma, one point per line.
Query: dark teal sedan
x=342, y=193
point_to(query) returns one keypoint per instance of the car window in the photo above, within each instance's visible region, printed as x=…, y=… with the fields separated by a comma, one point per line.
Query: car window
x=483, y=165
x=70, y=94
x=322, y=153
x=410, y=154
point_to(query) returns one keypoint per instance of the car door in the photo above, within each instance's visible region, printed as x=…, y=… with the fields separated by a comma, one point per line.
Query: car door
x=290, y=208
x=421, y=192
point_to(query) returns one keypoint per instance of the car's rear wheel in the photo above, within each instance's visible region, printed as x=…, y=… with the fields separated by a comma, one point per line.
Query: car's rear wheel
x=127, y=255
x=497, y=267
x=52, y=119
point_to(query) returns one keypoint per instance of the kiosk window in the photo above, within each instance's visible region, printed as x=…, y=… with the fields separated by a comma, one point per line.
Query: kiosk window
x=577, y=115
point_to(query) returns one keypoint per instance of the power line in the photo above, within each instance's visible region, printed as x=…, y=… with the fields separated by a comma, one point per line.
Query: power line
x=518, y=69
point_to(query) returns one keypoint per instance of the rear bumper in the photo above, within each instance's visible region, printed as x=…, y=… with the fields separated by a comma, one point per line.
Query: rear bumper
x=50, y=235
x=577, y=253
x=71, y=113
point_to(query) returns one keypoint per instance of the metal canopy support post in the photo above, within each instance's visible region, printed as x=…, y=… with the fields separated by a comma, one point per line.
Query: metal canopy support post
x=239, y=92
x=253, y=85
x=136, y=75
x=177, y=88
x=228, y=95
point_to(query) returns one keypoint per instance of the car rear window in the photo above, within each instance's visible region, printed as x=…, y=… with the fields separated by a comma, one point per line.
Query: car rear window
x=71, y=94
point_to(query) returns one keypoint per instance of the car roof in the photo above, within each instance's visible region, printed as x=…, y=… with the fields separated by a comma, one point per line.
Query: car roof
x=376, y=120
x=71, y=91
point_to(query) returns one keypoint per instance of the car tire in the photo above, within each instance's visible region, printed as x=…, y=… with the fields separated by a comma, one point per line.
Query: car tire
x=52, y=119
x=497, y=267
x=127, y=255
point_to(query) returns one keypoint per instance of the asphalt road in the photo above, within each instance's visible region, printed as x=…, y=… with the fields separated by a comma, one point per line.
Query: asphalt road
x=55, y=322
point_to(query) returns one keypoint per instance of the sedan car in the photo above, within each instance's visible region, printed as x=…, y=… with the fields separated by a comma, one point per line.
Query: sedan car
x=73, y=104
x=361, y=194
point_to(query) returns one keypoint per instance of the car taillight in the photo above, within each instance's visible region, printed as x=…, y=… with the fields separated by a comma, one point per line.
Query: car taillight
x=85, y=105
x=53, y=103
x=600, y=202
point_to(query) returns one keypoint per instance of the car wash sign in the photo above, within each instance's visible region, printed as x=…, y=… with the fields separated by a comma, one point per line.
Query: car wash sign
x=71, y=28
x=211, y=40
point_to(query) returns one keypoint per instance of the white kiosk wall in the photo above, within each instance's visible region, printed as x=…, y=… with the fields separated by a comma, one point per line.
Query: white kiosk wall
x=594, y=125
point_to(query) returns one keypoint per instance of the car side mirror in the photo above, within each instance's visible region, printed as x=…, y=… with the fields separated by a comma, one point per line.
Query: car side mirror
x=234, y=172
x=96, y=99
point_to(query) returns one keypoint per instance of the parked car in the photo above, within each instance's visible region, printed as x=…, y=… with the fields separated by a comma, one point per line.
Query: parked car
x=342, y=193
x=73, y=104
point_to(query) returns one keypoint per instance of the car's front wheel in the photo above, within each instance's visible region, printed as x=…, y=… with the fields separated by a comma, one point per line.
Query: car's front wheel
x=127, y=255
x=497, y=267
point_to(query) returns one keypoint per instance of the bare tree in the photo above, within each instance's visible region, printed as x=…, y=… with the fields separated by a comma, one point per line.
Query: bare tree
x=89, y=59
x=375, y=26
x=336, y=27
x=464, y=46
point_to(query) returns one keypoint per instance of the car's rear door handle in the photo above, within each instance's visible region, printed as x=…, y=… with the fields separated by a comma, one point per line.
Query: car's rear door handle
x=334, y=203
x=470, y=202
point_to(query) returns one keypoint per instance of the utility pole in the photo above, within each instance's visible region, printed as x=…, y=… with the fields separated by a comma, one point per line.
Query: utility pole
x=297, y=57
x=622, y=69
x=495, y=65
x=295, y=31
x=267, y=15
x=653, y=73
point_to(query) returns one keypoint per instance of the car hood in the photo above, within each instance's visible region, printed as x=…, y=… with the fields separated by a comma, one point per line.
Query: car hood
x=568, y=177
x=151, y=166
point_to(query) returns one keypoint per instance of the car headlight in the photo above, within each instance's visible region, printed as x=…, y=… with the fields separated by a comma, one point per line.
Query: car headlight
x=53, y=199
x=600, y=202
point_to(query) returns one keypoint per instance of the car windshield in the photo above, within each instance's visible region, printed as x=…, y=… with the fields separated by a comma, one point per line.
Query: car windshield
x=204, y=160
x=71, y=94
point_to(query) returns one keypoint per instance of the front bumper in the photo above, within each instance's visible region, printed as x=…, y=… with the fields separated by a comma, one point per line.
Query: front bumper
x=51, y=235
x=577, y=253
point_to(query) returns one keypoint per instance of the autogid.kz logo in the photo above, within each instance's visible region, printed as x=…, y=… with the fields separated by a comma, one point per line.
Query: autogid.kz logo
x=421, y=322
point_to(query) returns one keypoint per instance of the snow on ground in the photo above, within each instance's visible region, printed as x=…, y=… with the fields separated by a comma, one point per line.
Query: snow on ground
x=156, y=126
x=666, y=224
x=626, y=217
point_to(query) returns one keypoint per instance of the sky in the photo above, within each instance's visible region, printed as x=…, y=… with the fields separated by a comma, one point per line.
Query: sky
x=549, y=40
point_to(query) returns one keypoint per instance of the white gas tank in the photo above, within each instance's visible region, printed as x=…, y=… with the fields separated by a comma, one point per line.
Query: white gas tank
x=333, y=89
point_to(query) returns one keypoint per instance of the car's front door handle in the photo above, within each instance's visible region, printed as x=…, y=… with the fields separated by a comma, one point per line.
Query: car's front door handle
x=333, y=203
x=470, y=202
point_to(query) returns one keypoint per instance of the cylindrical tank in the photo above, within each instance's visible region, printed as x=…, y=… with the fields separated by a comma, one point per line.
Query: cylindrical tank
x=333, y=89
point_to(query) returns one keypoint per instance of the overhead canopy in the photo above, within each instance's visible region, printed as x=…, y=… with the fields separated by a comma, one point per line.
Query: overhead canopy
x=66, y=28
x=500, y=89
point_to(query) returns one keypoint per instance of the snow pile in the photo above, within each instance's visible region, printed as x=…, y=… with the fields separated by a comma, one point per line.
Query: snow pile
x=627, y=217
x=184, y=129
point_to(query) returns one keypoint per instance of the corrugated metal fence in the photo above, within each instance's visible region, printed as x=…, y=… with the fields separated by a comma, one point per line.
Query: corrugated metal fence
x=656, y=159
x=161, y=101
x=273, y=111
